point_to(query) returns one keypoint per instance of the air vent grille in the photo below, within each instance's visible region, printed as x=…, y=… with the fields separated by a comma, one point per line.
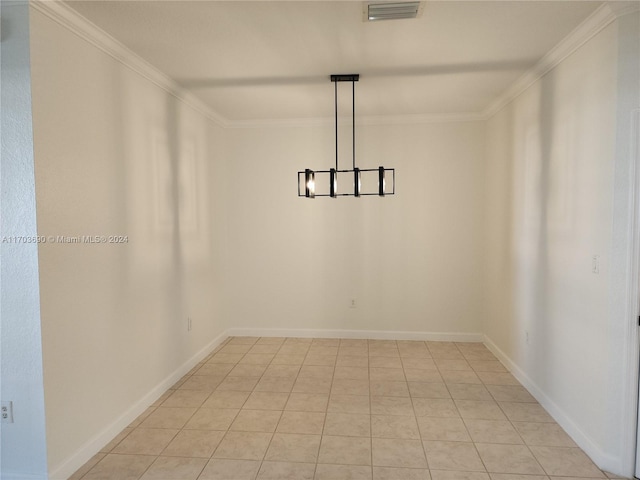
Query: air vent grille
x=392, y=11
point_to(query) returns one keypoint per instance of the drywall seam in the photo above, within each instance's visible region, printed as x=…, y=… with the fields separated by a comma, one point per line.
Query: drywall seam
x=93, y=446
x=589, y=28
x=363, y=334
x=601, y=459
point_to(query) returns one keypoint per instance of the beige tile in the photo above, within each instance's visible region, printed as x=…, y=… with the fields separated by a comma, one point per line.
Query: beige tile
x=116, y=440
x=448, y=429
x=310, y=423
x=385, y=362
x=350, y=387
x=293, y=349
x=435, y=407
x=226, y=399
x=398, y=453
x=418, y=363
x=515, y=476
x=286, y=471
x=270, y=341
x=266, y=401
x=212, y=419
x=285, y=359
x=307, y=402
x=352, y=361
x=215, y=369
x=399, y=473
x=186, y=398
x=238, y=384
x=312, y=385
x=325, y=342
x=482, y=409
x=317, y=349
x=508, y=459
x=497, y=378
x=345, y=450
x=275, y=384
x=456, y=364
x=394, y=426
x=257, y=359
x=320, y=360
x=207, y=383
x=146, y=441
x=243, y=445
x=93, y=461
x=566, y=462
x=289, y=447
x=349, y=404
x=479, y=356
x=347, y=424
x=386, y=374
x=457, y=475
x=354, y=342
x=221, y=469
x=242, y=340
x=460, y=376
x=385, y=388
x=391, y=406
x=168, y=417
x=256, y=421
x=268, y=348
x=383, y=352
x=175, y=468
x=142, y=417
x=469, y=391
x=353, y=373
x=525, y=412
x=316, y=371
x=422, y=375
x=544, y=434
x=235, y=348
x=122, y=467
x=162, y=398
x=194, y=443
x=356, y=351
x=247, y=370
x=492, y=431
x=452, y=456
x=510, y=393
x=226, y=358
x=342, y=472
x=487, y=366
x=428, y=390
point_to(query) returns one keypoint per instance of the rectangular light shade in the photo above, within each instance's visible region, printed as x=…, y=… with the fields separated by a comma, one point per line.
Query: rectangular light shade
x=357, y=182
x=309, y=183
x=333, y=183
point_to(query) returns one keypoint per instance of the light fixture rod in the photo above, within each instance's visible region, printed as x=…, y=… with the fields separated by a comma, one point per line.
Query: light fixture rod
x=353, y=121
x=336, y=118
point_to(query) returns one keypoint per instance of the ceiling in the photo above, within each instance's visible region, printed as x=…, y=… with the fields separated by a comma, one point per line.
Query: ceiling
x=259, y=60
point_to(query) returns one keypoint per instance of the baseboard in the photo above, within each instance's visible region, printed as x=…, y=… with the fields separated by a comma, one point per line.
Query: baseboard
x=601, y=459
x=93, y=446
x=364, y=334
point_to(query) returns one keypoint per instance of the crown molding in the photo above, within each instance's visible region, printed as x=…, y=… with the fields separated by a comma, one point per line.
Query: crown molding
x=590, y=27
x=70, y=19
x=363, y=120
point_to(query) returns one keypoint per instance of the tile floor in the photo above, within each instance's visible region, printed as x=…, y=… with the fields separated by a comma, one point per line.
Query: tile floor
x=330, y=409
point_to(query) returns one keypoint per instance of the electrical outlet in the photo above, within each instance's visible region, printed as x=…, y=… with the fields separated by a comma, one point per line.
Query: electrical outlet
x=595, y=264
x=526, y=336
x=188, y=324
x=352, y=304
x=6, y=410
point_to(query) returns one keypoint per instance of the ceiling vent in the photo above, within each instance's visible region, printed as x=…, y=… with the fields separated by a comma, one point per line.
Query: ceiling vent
x=392, y=10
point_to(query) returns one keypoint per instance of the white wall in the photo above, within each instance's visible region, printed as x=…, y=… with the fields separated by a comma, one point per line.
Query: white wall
x=551, y=159
x=23, y=452
x=412, y=261
x=116, y=155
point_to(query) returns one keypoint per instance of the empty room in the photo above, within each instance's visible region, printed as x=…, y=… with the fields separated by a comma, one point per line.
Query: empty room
x=320, y=240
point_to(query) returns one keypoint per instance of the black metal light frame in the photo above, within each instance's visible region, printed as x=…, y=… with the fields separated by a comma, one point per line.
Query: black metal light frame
x=309, y=175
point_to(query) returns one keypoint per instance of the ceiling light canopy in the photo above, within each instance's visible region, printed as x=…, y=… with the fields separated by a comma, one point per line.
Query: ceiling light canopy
x=307, y=178
x=392, y=11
